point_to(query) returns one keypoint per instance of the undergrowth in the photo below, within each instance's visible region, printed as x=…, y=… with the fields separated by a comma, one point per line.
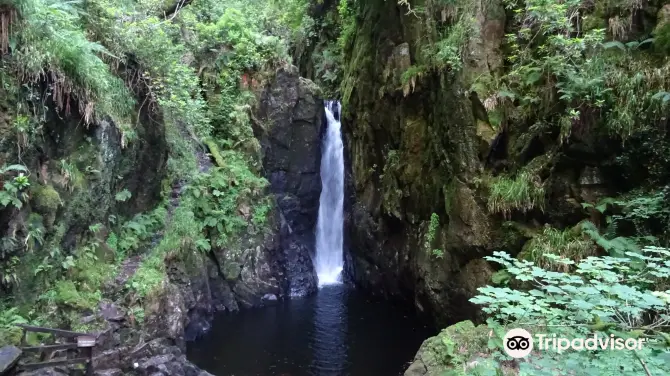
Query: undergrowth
x=570, y=244
x=520, y=193
x=194, y=72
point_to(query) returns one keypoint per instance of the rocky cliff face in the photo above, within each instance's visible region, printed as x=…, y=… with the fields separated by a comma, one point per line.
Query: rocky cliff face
x=258, y=268
x=414, y=147
x=290, y=123
x=80, y=170
x=457, y=156
x=275, y=263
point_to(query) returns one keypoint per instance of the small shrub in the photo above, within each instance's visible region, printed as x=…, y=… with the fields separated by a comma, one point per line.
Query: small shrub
x=431, y=235
x=148, y=277
x=10, y=334
x=68, y=294
x=521, y=193
x=567, y=243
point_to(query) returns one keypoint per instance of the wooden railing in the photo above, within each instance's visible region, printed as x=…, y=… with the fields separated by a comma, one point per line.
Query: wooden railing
x=84, y=344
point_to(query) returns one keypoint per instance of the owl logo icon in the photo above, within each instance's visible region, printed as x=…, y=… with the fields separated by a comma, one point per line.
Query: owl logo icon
x=518, y=343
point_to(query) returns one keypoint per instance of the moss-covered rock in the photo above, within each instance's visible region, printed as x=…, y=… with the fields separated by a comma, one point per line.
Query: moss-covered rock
x=415, y=152
x=452, y=348
x=46, y=199
x=231, y=270
x=476, y=273
x=214, y=152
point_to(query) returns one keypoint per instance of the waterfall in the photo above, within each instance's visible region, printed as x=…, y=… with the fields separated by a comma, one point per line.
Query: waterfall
x=329, y=258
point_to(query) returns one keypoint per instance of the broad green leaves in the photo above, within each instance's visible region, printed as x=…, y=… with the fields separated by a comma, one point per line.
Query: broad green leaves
x=616, y=295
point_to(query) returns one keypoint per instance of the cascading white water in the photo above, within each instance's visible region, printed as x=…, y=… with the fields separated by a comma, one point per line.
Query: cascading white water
x=329, y=258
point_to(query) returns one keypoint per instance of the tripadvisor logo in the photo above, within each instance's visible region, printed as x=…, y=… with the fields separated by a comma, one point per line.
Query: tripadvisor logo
x=518, y=343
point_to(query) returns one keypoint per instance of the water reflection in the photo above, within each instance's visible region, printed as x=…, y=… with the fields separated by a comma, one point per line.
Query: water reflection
x=336, y=332
x=329, y=352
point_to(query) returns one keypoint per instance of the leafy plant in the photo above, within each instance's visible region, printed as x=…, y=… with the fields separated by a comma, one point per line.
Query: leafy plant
x=123, y=195
x=431, y=235
x=570, y=244
x=48, y=37
x=521, y=193
x=13, y=191
x=220, y=196
x=138, y=230
x=10, y=334
x=604, y=295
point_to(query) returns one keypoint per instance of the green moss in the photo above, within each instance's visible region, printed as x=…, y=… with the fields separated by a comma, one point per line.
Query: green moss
x=454, y=346
x=662, y=38
x=74, y=318
x=148, y=278
x=68, y=294
x=389, y=181
x=592, y=22
x=431, y=235
x=214, y=151
x=46, y=199
x=231, y=270
x=449, y=191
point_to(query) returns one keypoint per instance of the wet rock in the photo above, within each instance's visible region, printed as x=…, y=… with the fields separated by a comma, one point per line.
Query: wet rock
x=192, y=279
x=269, y=299
x=301, y=281
x=169, y=365
x=435, y=167
x=475, y=274
x=109, y=359
x=165, y=313
x=111, y=312
x=260, y=274
x=469, y=222
x=591, y=176
x=221, y=294
x=231, y=270
x=46, y=372
x=9, y=356
x=109, y=372
x=483, y=53
x=435, y=356
x=293, y=117
x=397, y=63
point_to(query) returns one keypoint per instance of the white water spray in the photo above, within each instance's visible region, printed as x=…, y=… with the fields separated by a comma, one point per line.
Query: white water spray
x=329, y=258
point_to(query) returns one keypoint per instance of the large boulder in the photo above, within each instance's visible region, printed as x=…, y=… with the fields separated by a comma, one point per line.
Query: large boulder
x=9, y=356
x=290, y=118
x=452, y=348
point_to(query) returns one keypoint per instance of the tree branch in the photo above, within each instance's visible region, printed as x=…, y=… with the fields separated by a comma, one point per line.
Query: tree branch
x=172, y=11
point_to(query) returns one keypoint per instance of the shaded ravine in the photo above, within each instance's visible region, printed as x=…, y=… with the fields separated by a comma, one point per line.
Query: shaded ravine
x=338, y=331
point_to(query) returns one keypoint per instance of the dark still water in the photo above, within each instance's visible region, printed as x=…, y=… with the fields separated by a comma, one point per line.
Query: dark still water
x=336, y=332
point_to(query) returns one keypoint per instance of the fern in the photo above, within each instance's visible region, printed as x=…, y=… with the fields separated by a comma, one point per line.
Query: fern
x=616, y=247
x=50, y=39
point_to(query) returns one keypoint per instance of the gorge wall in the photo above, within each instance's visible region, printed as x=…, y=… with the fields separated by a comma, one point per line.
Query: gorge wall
x=415, y=150
x=434, y=135
x=82, y=170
